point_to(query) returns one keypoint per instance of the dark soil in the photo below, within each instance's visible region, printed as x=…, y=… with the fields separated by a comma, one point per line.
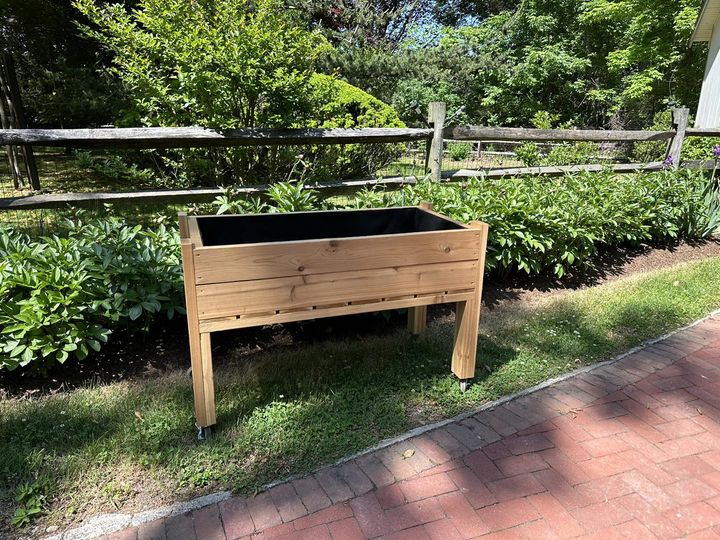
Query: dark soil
x=165, y=347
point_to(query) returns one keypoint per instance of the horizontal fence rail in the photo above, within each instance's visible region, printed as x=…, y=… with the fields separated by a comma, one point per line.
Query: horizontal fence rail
x=474, y=133
x=197, y=137
x=433, y=136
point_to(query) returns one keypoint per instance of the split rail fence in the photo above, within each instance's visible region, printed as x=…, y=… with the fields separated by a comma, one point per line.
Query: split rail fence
x=434, y=135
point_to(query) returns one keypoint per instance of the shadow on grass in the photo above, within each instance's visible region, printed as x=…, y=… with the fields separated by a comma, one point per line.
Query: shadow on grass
x=292, y=409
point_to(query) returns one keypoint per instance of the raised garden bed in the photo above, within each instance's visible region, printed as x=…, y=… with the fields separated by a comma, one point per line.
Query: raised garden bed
x=253, y=270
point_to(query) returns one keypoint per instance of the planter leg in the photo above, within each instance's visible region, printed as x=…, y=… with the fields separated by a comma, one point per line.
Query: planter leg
x=202, y=376
x=467, y=319
x=417, y=319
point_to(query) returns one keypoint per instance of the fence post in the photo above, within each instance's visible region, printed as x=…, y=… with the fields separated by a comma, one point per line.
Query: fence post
x=436, y=119
x=17, y=115
x=680, y=123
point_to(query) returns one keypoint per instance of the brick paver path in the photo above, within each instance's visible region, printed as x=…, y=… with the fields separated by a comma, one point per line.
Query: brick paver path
x=628, y=449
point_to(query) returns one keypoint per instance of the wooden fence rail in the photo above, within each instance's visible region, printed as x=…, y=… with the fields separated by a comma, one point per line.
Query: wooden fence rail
x=434, y=137
x=198, y=137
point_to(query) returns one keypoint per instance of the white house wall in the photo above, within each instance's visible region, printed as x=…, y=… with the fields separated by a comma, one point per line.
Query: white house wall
x=708, y=113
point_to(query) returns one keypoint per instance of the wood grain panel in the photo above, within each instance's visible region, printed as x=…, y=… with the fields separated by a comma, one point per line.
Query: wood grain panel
x=246, y=297
x=215, y=325
x=223, y=264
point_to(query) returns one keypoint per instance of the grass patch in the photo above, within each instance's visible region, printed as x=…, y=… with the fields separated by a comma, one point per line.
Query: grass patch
x=288, y=411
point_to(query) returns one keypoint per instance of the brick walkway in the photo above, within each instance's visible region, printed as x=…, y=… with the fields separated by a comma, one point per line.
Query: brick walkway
x=629, y=449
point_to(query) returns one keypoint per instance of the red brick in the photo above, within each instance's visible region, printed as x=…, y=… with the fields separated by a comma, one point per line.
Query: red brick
x=683, y=427
x=414, y=513
x=370, y=516
x=179, y=527
x=207, y=523
x=495, y=420
x=496, y=450
x=605, y=489
x=416, y=533
x=287, y=502
x=126, y=534
x=521, y=464
x=686, y=467
x=472, y=487
x=334, y=486
x=606, y=466
x=649, y=492
x=569, y=496
x=346, y=529
x=355, y=478
x=568, y=445
x=635, y=530
x=659, y=525
x=327, y=515
x=515, y=486
x=236, y=518
x=555, y=515
x=507, y=514
x=278, y=531
x=390, y=496
x=601, y=515
x=320, y=532
x=448, y=443
x=568, y=426
x=528, y=443
x=485, y=433
x=712, y=458
x=466, y=436
x=375, y=470
x=510, y=418
x=607, y=408
x=431, y=449
x=694, y=517
x=689, y=490
x=712, y=479
x=263, y=511
x=311, y=494
x=462, y=515
x=605, y=445
x=427, y=486
x=396, y=463
x=558, y=460
x=442, y=529
x=605, y=428
x=153, y=530
x=483, y=466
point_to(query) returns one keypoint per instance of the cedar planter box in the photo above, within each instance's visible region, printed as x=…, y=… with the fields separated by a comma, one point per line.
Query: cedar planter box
x=253, y=270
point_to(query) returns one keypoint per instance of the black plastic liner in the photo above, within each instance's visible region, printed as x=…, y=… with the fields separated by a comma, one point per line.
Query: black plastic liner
x=256, y=228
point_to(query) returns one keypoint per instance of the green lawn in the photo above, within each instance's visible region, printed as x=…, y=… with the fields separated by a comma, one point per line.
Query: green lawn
x=292, y=409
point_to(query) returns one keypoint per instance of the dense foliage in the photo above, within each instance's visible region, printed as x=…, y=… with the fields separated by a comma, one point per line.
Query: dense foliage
x=62, y=295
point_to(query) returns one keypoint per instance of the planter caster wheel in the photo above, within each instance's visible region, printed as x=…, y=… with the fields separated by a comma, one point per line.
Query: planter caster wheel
x=464, y=384
x=203, y=433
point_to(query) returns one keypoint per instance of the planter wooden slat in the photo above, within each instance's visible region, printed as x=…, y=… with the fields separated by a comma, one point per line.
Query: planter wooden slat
x=308, y=290
x=262, y=261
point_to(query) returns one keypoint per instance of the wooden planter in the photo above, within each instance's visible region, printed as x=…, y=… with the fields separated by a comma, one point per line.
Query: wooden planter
x=253, y=270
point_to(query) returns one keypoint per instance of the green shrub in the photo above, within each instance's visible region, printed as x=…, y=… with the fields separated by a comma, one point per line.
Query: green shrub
x=63, y=295
x=529, y=154
x=543, y=224
x=459, y=151
x=342, y=105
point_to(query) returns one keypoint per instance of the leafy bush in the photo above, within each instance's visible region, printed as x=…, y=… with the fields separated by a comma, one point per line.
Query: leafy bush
x=562, y=154
x=341, y=105
x=459, y=151
x=542, y=224
x=64, y=294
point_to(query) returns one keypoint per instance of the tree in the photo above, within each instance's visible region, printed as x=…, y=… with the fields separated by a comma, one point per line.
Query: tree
x=57, y=65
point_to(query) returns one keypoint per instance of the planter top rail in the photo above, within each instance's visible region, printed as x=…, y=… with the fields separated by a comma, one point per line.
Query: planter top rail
x=196, y=137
